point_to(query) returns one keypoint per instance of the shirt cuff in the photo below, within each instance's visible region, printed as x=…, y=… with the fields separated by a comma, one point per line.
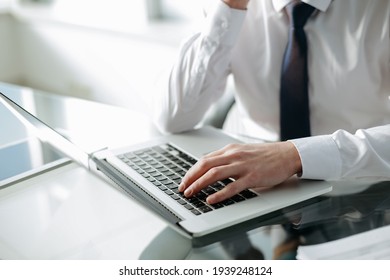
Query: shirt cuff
x=320, y=157
x=224, y=24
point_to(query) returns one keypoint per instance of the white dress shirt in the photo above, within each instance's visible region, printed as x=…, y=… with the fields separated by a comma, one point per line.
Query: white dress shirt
x=349, y=81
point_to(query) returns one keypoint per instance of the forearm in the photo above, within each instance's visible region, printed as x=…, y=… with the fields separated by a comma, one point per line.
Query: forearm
x=342, y=155
x=199, y=75
x=195, y=81
x=365, y=153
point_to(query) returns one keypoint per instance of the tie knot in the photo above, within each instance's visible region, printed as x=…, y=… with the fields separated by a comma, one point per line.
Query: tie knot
x=299, y=13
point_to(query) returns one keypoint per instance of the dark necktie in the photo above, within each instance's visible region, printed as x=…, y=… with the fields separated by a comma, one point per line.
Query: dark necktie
x=294, y=99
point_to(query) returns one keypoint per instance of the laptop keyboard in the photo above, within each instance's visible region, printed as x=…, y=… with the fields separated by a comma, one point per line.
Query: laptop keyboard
x=165, y=166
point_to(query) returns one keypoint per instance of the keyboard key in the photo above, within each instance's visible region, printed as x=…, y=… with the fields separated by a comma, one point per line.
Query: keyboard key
x=209, y=190
x=181, y=201
x=177, y=181
x=217, y=186
x=202, y=196
x=227, y=202
x=189, y=206
x=196, y=212
x=154, y=174
x=151, y=179
x=156, y=183
x=173, y=177
x=237, y=198
x=192, y=199
x=175, y=197
x=227, y=181
x=176, y=191
x=169, y=192
x=198, y=204
x=217, y=205
x=205, y=209
x=166, y=182
x=248, y=194
x=160, y=177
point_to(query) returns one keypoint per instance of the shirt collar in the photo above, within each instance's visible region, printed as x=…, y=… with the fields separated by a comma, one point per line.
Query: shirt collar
x=321, y=5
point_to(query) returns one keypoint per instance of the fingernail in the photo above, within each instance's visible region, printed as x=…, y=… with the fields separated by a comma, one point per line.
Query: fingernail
x=210, y=200
x=188, y=192
x=181, y=187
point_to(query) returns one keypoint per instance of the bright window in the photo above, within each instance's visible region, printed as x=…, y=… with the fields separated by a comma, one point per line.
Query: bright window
x=119, y=15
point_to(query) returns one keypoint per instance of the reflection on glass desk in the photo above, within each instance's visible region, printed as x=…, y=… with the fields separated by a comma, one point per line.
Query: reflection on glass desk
x=67, y=213
x=338, y=216
x=26, y=157
x=352, y=208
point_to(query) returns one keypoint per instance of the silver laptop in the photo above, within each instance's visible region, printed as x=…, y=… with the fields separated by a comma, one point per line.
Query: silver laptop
x=151, y=172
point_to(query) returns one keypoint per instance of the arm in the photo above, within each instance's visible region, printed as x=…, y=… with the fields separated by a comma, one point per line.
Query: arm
x=342, y=155
x=251, y=165
x=199, y=76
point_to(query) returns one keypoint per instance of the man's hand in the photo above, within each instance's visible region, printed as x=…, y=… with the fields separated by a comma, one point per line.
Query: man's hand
x=251, y=165
x=237, y=4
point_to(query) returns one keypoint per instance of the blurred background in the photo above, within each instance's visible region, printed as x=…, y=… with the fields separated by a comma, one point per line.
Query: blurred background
x=110, y=51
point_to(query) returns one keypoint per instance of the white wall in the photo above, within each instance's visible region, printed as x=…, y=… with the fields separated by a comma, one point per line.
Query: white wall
x=112, y=68
x=10, y=69
x=117, y=68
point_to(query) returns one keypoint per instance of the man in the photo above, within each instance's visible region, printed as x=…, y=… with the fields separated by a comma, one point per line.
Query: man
x=348, y=65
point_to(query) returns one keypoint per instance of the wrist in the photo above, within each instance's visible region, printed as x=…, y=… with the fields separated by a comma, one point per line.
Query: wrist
x=237, y=4
x=294, y=159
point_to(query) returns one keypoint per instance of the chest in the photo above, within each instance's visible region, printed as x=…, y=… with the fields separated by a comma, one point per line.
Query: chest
x=348, y=50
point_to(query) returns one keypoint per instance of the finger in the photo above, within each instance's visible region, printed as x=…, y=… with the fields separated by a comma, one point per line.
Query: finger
x=227, y=192
x=211, y=176
x=217, y=158
x=200, y=169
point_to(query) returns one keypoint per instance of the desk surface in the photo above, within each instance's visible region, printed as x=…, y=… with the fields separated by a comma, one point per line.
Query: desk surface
x=68, y=213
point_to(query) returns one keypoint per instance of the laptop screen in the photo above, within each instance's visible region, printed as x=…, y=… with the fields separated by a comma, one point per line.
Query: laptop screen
x=45, y=133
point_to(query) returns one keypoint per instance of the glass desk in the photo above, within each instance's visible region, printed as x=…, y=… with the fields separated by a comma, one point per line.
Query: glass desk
x=50, y=208
x=88, y=124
